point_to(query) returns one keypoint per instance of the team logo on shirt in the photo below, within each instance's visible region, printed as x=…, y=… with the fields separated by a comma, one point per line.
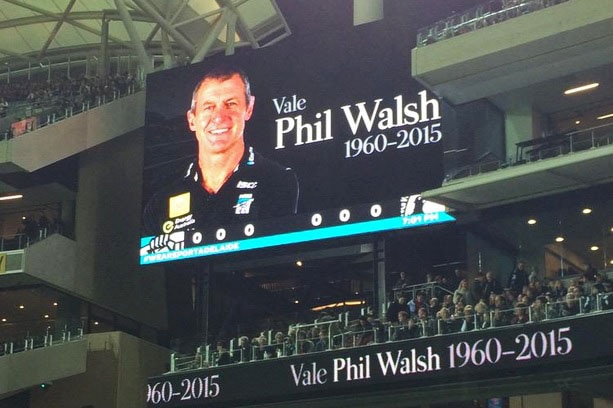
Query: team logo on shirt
x=243, y=205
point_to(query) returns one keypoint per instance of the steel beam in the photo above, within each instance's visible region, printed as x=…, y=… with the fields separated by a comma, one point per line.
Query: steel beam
x=135, y=39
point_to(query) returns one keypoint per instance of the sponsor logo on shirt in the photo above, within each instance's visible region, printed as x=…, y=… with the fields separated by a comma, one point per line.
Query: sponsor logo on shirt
x=247, y=184
x=179, y=205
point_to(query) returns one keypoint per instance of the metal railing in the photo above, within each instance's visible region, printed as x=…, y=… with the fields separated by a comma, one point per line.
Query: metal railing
x=541, y=149
x=483, y=15
x=349, y=338
x=36, y=341
x=49, y=114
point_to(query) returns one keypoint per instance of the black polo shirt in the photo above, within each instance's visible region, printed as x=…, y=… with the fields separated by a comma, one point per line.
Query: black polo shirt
x=258, y=188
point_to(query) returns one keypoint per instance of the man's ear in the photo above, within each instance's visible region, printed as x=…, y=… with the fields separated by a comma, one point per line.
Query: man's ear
x=191, y=120
x=249, y=110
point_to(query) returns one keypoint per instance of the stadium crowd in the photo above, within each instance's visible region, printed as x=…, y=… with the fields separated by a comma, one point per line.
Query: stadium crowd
x=442, y=305
x=21, y=99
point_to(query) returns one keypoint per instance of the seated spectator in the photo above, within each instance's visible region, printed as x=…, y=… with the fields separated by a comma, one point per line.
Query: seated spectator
x=538, y=309
x=590, y=303
x=448, y=304
x=400, y=304
x=378, y=328
x=417, y=303
x=243, y=351
x=364, y=334
x=427, y=326
x=405, y=329
x=323, y=342
x=304, y=345
x=570, y=306
x=468, y=322
x=433, y=306
x=223, y=357
x=482, y=315
x=279, y=344
x=443, y=321
x=520, y=314
x=500, y=318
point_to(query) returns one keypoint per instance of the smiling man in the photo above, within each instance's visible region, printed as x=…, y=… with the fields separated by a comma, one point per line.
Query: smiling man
x=229, y=182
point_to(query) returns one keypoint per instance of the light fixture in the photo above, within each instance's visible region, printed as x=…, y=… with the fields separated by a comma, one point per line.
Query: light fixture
x=577, y=122
x=11, y=197
x=46, y=316
x=22, y=307
x=611, y=262
x=96, y=323
x=586, y=210
x=54, y=303
x=594, y=248
x=296, y=301
x=560, y=239
x=581, y=88
x=4, y=318
x=607, y=116
x=531, y=221
x=299, y=263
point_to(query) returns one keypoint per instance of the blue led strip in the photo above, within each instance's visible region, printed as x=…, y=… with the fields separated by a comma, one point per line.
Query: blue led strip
x=385, y=224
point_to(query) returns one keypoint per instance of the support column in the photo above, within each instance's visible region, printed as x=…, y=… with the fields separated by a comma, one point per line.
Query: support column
x=379, y=284
x=210, y=37
x=104, y=43
x=522, y=123
x=135, y=39
x=201, y=301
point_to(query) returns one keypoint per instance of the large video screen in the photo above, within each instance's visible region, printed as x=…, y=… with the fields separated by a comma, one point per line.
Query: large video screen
x=332, y=138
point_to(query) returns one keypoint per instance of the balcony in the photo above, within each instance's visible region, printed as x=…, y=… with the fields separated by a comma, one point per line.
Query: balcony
x=492, y=57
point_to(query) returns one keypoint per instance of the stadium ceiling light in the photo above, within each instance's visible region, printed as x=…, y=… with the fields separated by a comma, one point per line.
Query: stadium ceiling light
x=586, y=210
x=560, y=239
x=594, y=248
x=581, y=88
x=607, y=116
x=531, y=221
x=11, y=197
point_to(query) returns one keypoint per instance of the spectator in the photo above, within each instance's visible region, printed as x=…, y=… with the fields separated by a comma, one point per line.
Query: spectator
x=468, y=322
x=400, y=304
x=402, y=281
x=518, y=278
x=223, y=357
x=538, y=309
x=520, y=314
x=462, y=293
x=416, y=303
x=491, y=285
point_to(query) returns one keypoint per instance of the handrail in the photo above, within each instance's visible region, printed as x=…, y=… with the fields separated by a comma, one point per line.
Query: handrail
x=32, y=342
x=477, y=17
x=572, y=142
x=57, y=114
x=601, y=303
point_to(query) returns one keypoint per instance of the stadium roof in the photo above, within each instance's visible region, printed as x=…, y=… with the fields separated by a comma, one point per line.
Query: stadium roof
x=38, y=33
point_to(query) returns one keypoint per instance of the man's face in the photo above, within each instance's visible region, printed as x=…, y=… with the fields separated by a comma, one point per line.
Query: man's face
x=219, y=115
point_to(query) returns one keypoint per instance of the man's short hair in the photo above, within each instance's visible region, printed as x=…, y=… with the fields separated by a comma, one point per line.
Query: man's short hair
x=222, y=73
